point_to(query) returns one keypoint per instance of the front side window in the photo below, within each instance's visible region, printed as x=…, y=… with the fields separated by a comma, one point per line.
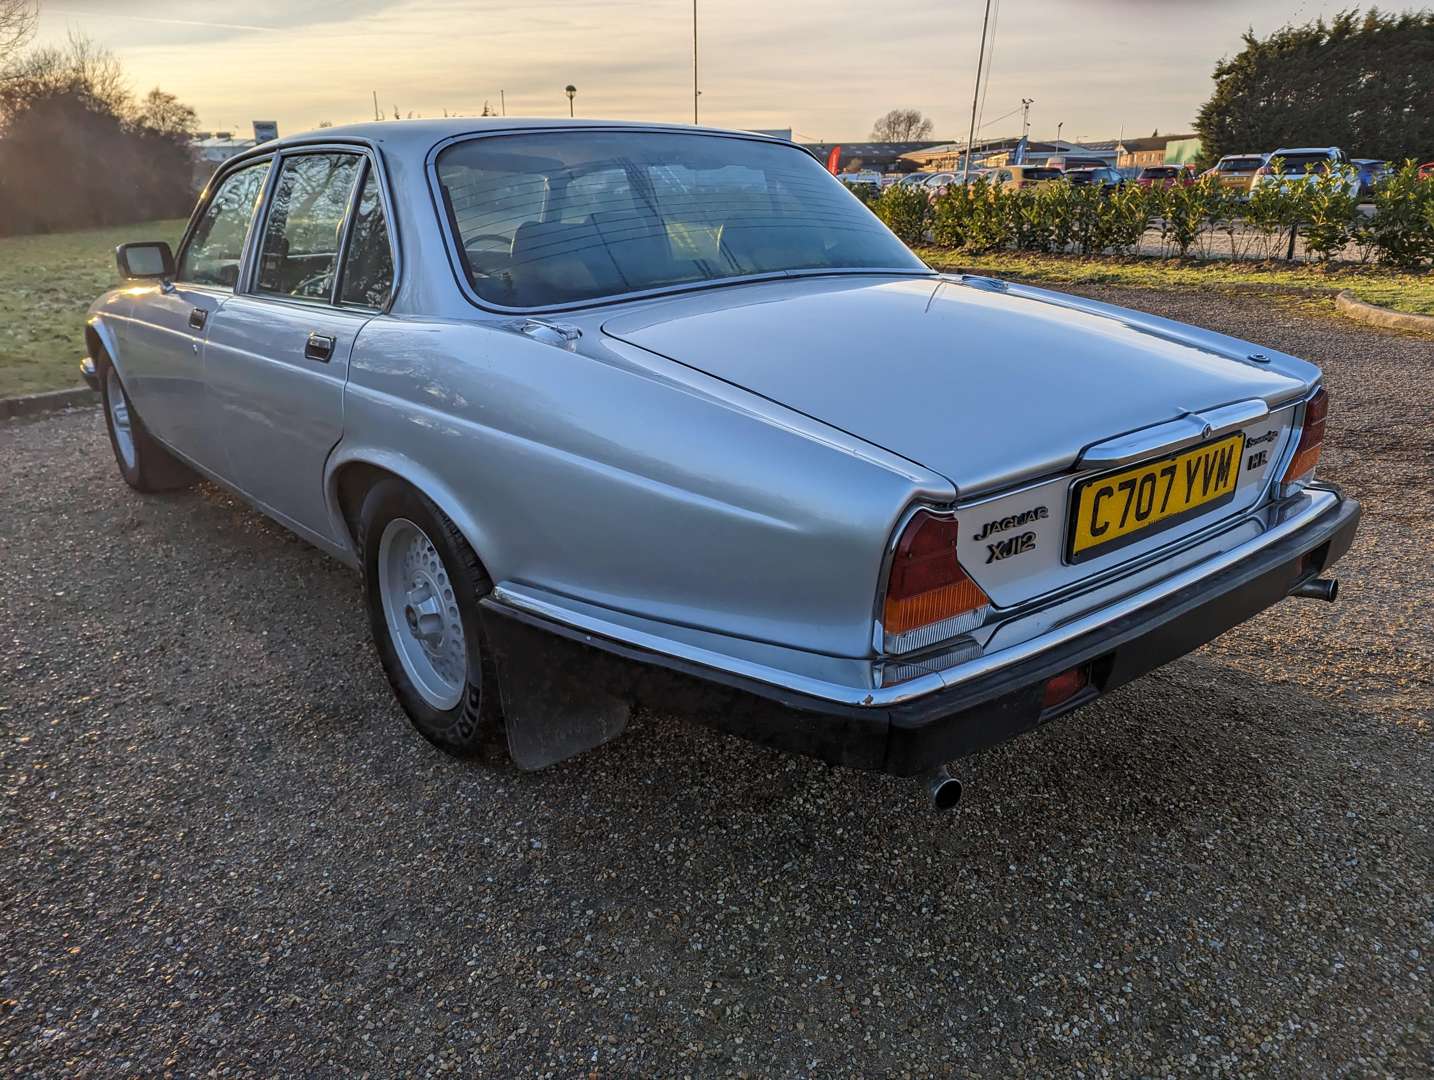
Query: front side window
x=562, y=217
x=300, y=252
x=368, y=264
x=216, y=247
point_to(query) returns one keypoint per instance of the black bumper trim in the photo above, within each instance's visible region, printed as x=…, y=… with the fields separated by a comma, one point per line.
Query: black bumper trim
x=911, y=737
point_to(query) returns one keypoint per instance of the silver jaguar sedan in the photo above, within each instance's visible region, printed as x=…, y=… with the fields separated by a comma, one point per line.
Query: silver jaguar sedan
x=613, y=413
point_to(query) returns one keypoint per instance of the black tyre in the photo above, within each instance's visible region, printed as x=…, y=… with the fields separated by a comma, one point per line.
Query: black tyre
x=422, y=584
x=144, y=463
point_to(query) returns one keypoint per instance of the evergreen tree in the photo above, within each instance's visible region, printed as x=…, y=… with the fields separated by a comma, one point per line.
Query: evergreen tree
x=1363, y=82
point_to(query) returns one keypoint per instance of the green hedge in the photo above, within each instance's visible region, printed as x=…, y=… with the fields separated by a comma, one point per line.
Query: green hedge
x=984, y=217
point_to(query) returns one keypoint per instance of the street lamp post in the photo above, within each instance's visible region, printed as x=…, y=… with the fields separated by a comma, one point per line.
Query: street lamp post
x=572, y=92
x=1058, y=130
x=695, y=91
x=1026, y=116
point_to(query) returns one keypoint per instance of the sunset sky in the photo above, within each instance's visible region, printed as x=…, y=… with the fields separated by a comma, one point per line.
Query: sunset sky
x=825, y=68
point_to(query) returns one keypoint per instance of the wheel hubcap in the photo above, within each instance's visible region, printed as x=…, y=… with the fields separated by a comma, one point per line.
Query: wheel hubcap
x=421, y=610
x=119, y=419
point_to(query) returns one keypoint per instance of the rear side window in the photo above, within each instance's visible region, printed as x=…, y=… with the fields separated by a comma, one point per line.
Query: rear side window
x=368, y=265
x=306, y=216
x=216, y=247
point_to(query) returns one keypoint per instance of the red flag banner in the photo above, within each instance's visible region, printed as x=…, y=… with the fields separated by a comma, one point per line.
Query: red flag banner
x=832, y=159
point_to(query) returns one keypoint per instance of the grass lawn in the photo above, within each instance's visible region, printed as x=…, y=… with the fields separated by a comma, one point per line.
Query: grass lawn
x=1404, y=292
x=46, y=284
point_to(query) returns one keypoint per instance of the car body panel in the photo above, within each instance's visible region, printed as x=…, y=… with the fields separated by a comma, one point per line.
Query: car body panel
x=717, y=472
x=907, y=364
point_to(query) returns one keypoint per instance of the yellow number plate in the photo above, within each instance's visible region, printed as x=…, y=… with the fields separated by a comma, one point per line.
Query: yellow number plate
x=1120, y=508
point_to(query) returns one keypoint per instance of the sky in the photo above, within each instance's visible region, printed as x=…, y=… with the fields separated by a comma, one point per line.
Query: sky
x=824, y=68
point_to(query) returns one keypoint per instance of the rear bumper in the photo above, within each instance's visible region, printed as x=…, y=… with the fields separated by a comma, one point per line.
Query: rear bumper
x=906, y=737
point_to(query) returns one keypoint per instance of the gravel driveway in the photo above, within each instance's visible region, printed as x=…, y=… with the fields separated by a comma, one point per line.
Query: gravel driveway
x=225, y=853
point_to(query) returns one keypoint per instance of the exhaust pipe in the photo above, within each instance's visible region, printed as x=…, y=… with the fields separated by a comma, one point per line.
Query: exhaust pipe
x=943, y=789
x=1326, y=589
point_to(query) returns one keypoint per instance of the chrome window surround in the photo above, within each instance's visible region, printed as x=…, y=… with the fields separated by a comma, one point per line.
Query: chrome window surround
x=275, y=156
x=455, y=261
x=223, y=173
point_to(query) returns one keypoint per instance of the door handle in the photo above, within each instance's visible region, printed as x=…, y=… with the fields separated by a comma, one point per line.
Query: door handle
x=319, y=347
x=197, y=318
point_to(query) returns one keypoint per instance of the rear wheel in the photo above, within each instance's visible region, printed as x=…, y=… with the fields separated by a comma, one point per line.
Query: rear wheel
x=422, y=584
x=145, y=464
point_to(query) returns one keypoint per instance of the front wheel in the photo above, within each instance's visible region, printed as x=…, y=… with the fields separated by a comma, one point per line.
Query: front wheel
x=145, y=464
x=422, y=584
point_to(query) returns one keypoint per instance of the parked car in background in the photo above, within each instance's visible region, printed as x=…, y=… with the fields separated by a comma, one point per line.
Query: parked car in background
x=611, y=413
x=1370, y=172
x=1024, y=176
x=1068, y=162
x=1236, y=172
x=1426, y=171
x=1163, y=176
x=916, y=179
x=1103, y=177
x=868, y=177
x=1301, y=165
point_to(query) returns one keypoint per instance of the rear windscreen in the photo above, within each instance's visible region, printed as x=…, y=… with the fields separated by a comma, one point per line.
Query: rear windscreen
x=571, y=215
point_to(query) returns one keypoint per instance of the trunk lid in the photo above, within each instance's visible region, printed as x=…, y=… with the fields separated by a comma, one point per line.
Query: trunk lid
x=988, y=384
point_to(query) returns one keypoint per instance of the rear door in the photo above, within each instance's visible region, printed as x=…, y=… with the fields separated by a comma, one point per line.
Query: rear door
x=278, y=351
x=162, y=344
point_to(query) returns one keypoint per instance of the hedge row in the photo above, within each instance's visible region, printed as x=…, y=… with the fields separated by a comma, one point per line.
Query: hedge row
x=983, y=216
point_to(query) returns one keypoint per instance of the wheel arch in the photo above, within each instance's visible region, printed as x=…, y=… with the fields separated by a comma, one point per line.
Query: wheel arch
x=100, y=340
x=352, y=472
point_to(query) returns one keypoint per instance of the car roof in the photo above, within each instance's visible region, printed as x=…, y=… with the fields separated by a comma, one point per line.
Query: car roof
x=1253, y=153
x=419, y=136
x=1306, y=150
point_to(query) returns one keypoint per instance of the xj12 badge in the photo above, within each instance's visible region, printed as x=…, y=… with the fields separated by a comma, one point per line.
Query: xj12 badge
x=1012, y=545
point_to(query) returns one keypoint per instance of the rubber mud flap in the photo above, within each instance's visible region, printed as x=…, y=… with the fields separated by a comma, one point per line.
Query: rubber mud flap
x=552, y=707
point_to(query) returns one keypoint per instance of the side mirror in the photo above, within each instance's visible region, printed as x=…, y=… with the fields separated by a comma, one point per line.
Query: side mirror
x=145, y=260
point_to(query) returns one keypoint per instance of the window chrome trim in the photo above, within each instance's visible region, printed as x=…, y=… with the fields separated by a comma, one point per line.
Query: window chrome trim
x=223, y=173
x=448, y=227
x=274, y=156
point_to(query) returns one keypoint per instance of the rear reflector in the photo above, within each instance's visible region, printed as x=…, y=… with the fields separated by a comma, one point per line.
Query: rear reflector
x=1061, y=688
x=927, y=587
x=1302, y=465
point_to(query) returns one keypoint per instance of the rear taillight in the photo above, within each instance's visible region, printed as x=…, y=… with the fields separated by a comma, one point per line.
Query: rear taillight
x=1300, y=470
x=928, y=596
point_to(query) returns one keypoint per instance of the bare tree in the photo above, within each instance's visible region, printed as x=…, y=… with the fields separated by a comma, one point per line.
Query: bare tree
x=901, y=125
x=80, y=68
x=164, y=114
x=17, y=23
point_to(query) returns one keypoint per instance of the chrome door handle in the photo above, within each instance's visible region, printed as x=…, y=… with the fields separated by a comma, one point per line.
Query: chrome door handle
x=319, y=347
x=197, y=318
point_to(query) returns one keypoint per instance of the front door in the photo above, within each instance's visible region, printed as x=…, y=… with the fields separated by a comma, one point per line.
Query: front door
x=277, y=355
x=161, y=346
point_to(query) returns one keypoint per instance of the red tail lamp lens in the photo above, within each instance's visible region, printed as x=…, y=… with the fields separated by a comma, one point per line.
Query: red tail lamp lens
x=1061, y=688
x=927, y=584
x=1302, y=465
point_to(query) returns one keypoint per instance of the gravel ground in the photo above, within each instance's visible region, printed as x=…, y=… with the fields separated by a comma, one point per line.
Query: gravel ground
x=225, y=853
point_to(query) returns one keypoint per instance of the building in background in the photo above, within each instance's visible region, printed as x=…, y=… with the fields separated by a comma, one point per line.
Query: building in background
x=1138, y=153
x=214, y=148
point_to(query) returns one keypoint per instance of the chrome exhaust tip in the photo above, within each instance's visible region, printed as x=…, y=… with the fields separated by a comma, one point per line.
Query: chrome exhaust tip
x=1326, y=589
x=943, y=789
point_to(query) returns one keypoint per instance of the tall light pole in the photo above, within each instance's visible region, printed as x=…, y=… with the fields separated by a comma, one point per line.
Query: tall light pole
x=503, y=101
x=1058, y=130
x=976, y=94
x=572, y=92
x=1026, y=116
x=695, y=91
